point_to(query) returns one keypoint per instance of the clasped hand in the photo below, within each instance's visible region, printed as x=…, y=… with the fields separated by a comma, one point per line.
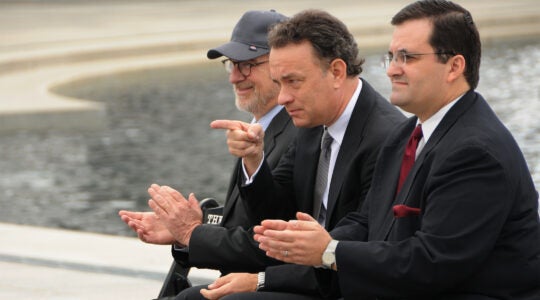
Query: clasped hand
x=173, y=218
x=300, y=241
x=178, y=214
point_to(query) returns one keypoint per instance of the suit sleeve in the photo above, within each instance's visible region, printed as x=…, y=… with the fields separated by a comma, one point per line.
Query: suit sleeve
x=230, y=250
x=302, y=280
x=271, y=194
x=352, y=227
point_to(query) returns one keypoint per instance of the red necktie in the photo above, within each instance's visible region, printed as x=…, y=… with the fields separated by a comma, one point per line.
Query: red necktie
x=409, y=155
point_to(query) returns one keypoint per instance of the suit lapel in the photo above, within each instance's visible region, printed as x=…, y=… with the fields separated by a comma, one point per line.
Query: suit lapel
x=233, y=193
x=446, y=124
x=350, y=145
x=312, y=154
x=385, y=183
x=276, y=127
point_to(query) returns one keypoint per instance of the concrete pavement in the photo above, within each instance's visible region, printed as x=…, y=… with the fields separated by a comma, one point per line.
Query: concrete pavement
x=44, y=263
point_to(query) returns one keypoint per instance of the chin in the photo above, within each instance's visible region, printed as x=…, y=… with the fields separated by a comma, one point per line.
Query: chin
x=397, y=101
x=300, y=123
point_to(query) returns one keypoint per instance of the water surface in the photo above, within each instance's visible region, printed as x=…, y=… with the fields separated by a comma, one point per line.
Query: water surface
x=157, y=131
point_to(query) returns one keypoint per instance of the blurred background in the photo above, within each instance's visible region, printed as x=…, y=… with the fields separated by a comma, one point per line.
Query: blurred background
x=99, y=99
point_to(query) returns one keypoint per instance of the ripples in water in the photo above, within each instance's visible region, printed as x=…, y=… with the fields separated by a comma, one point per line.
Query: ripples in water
x=157, y=131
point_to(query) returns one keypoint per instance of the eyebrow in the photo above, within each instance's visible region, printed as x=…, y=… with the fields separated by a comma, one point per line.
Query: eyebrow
x=283, y=77
x=287, y=76
x=401, y=50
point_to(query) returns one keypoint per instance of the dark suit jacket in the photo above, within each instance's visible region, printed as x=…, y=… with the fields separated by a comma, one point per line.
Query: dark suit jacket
x=209, y=243
x=289, y=188
x=477, y=235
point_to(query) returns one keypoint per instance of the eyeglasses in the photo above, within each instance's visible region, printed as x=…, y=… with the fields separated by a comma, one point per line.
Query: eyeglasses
x=401, y=57
x=243, y=66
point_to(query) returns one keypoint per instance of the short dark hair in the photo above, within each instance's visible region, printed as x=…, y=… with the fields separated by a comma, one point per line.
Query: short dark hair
x=329, y=37
x=454, y=32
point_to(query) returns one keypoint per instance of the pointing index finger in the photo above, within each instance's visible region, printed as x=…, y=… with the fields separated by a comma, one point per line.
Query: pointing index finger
x=228, y=124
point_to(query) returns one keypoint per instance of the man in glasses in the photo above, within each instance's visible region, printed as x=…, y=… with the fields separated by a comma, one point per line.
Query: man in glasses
x=452, y=212
x=247, y=65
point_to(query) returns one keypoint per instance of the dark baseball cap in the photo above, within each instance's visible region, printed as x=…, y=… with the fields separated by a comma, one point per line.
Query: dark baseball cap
x=250, y=36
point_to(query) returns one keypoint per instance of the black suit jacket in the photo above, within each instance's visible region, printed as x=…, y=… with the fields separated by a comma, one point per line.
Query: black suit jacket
x=209, y=244
x=477, y=235
x=289, y=188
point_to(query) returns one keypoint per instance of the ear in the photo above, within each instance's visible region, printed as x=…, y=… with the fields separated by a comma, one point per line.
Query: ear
x=338, y=69
x=456, y=66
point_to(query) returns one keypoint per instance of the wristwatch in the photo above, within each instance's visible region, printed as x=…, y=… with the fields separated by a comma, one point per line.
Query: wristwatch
x=260, y=280
x=329, y=255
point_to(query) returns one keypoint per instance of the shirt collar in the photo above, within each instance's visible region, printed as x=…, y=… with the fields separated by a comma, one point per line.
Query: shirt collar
x=429, y=125
x=267, y=118
x=337, y=130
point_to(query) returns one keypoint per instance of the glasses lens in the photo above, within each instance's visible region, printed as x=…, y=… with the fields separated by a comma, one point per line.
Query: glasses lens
x=244, y=68
x=228, y=65
x=385, y=61
x=401, y=58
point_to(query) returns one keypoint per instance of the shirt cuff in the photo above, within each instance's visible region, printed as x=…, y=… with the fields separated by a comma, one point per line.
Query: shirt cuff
x=249, y=180
x=180, y=249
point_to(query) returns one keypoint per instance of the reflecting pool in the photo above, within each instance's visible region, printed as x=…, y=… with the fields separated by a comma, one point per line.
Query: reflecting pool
x=157, y=131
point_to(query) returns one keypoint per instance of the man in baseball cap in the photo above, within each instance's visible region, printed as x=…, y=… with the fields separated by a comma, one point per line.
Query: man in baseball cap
x=248, y=50
x=203, y=242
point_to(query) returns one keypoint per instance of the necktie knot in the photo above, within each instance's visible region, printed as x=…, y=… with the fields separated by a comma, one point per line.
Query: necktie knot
x=417, y=133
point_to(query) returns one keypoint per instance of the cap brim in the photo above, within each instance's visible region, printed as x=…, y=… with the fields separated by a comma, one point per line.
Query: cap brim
x=236, y=51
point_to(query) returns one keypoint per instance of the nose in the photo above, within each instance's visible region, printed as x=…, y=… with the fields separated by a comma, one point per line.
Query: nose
x=235, y=76
x=393, y=69
x=284, y=97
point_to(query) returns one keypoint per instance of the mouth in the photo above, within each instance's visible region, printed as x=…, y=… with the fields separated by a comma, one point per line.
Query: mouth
x=399, y=82
x=293, y=111
x=241, y=90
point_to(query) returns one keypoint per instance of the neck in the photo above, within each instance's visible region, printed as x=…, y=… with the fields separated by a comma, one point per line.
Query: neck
x=450, y=96
x=345, y=94
x=264, y=110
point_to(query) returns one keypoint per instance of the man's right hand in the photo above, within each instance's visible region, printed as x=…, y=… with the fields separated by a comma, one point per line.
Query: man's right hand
x=230, y=284
x=244, y=140
x=147, y=226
